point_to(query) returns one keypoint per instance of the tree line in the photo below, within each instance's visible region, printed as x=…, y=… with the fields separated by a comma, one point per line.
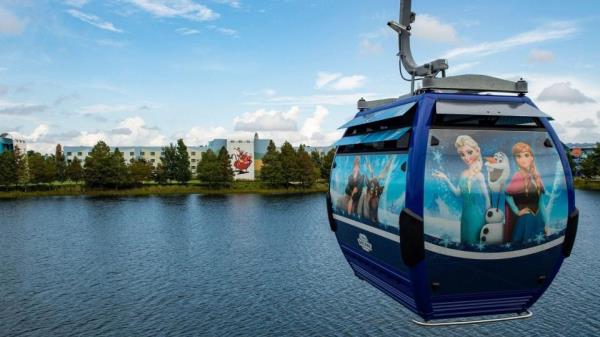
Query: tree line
x=289, y=166
x=590, y=166
x=103, y=168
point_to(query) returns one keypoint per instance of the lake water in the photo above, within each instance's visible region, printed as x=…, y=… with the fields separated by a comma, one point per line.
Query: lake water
x=228, y=265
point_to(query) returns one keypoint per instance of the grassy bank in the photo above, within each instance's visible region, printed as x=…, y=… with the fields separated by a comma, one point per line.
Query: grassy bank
x=587, y=184
x=155, y=189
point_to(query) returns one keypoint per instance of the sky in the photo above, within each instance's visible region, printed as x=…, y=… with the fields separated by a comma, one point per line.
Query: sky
x=147, y=72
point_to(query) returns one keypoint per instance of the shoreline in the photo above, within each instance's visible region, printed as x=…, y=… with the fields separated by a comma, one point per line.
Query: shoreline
x=239, y=187
x=157, y=190
x=588, y=185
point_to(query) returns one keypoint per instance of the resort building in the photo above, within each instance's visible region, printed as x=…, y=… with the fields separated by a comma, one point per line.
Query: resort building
x=9, y=143
x=579, y=152
x=246, y=154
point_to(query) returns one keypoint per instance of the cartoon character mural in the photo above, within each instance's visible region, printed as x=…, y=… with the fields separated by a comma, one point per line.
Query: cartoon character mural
x=524, y=202
x=518, y=201
x=368, y=204
x=241, y=160
x=471, y=188
x=369, y=188
x=498, y=171
x=353, y=190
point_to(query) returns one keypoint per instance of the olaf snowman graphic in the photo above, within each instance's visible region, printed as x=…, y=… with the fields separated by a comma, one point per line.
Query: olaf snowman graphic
x=498, y=171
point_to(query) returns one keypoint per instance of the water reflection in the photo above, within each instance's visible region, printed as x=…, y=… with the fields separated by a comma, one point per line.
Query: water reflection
x=226, y=265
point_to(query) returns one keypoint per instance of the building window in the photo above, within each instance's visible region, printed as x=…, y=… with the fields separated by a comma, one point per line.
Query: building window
x=152, y=160
x=153, y=153
x=193, y=167
x=68, y=153
x=79, y=154
x=132, y=153
x=193, y=153
x=142, y=153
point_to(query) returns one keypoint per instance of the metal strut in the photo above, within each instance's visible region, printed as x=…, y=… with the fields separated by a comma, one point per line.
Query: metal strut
x=428, y=72
x=527, y=314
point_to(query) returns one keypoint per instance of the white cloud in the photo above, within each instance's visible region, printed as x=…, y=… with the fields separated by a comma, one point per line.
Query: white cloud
x=310, y=133
x=567, y=116
x=582, y=124
x=541, y=56
x=40, y=131
x=200, y=135
x=186, y=9
x=368, y=47
x=93, y=20
x=263, y=120
x=313, y=100
x=564, y=92
x=349, y=82
x=312, y=125
x=324, y=78
x=430, y=28
x=269, y=92
x=10, y=24
x=553, y=31
x=107, y=109
x=371, y=42
x=455, y=69
x=187, y=31
x=111, y=43
x=335, y=81
x=139, y=134
x=76, y=3
x=231, y=3
x=227, y=31
x=20, y=109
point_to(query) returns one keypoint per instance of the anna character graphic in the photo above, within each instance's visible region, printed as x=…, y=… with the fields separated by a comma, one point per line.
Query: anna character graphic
x=524, y=206
x=471, y=188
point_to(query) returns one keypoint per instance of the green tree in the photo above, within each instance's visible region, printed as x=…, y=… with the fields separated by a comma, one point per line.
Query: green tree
x=271, y=173
x=42, y=168
x=61, y=166
x=182, y=163
x=119, y=172
x=159, y=174
x=140, y=170
x=8, y=169
x=169, y=162
x=226, y=172
x=22, y=166
x=307, y=172
x=74, y=170
x=209, y=169
x=317, y=159
x=326, y=164
x=105, y=169
x=289, y=164
x=590, y=166
x=97, y=162
x=37, y=166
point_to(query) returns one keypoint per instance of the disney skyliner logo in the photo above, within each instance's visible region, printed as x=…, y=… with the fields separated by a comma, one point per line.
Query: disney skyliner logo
x=364, y=243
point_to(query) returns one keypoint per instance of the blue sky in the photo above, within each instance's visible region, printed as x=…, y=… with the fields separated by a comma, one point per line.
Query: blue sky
x=146, y=72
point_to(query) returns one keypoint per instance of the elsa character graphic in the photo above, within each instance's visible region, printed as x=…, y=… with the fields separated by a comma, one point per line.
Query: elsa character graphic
x=471, y=187
x=524, y=206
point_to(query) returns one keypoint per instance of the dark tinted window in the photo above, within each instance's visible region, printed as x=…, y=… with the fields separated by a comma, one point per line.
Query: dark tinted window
x=486, y=121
